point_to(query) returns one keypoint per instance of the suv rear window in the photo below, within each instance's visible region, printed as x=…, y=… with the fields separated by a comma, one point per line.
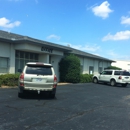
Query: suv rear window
x=39, y=70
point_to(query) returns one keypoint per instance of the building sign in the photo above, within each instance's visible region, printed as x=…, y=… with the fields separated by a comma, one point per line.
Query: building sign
x=46, y=49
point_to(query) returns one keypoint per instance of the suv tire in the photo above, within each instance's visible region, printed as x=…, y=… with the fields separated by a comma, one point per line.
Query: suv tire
x=20, y=95
x=95, y=80
x=112, y=82
x=52, y=95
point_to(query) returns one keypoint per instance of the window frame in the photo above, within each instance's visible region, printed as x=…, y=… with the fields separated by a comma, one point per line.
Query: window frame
x=6, y=68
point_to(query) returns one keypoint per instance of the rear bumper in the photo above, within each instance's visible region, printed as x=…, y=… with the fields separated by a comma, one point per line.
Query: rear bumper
x=123, y=82
x=22, y=89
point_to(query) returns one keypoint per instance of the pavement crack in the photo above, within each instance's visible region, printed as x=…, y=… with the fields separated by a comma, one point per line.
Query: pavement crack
x=83, y=113
x=43, y=104
x=12, y=107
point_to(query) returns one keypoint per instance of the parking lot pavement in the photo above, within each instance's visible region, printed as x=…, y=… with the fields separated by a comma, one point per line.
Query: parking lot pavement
x=76, y=107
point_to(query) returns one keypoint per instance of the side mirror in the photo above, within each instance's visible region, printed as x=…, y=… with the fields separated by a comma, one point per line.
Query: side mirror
x=19, y=70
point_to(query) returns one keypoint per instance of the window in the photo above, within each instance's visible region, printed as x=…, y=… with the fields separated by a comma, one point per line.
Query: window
x=100, y=69
x=106, y=73
x=21, y=58
x=81, y=69
x=91, y=69
x=50, y=59
x=125, y=73
x=4, y=65
x=109, y=72
x=39, y=70
x=117, y=72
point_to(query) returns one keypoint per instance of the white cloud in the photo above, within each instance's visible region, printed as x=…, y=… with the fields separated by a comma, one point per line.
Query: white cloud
x=86, y=47
x=102, y=10
x=5, y=23
x=122, y=35
x=116, y=56
x=91, y=48
x=125, y=20
x=53, y=36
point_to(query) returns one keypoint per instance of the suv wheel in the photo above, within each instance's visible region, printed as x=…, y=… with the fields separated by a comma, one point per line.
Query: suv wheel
x=113, y=82
x=20, y=95
x=95, y=80
x=52, y=95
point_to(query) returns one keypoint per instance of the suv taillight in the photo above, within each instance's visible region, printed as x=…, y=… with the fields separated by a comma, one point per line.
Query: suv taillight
x=21, y=79
x=55, y=81
x=120, y=77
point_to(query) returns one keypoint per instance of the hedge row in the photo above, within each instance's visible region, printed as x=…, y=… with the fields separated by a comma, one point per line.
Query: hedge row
x=85, y=78
x=12, y=79
x=9, y=79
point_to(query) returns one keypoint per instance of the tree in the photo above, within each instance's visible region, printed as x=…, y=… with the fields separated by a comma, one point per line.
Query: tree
x=69, y=68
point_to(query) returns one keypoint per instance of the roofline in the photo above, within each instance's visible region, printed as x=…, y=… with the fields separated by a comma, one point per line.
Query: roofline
x=44, y=43
x=90, y=55
x=38, y=42
x=16, y=38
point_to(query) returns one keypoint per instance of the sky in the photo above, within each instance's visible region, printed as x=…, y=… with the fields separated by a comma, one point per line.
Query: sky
x=95, y=26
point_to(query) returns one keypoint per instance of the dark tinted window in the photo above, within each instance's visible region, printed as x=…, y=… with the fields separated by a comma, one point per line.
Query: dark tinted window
x=125, y=73
x=117, y=72
x=104, y=72
x=107, y=73
x=39, y=70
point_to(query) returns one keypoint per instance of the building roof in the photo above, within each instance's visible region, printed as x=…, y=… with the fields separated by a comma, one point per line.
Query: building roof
x=85, y=54
x=16, y=38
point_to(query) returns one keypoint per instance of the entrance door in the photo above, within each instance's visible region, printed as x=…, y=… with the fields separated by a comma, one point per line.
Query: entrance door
x=91, y=69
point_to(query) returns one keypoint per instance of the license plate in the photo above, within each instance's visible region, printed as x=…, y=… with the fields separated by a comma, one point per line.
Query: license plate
x=37, y=80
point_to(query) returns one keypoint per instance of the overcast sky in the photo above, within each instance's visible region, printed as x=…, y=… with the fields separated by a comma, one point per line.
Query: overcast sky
x=95, y=26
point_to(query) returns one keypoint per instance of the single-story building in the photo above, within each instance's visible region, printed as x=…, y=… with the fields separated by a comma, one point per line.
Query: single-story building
x=16, y=50
x=125, y=65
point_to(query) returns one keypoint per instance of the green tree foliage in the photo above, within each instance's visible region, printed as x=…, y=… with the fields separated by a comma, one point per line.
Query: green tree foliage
x=113, y=67
x=69, y=68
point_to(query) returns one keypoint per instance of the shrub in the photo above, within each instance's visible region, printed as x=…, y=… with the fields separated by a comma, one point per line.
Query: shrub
x=85, y=78
x=9, y=79
x=113, y=67
x=69, y=68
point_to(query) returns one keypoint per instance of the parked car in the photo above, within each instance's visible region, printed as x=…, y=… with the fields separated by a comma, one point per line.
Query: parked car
x=113, y=77
x=37, y=77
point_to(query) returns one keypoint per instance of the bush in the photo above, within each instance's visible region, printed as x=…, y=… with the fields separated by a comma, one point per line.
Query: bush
x=85, y=78
x=9, y=79
x=69, y=68
x=113, y=67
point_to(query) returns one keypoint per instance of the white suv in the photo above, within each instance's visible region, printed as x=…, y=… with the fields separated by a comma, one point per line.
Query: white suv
x=37, y=77
x=113, y=77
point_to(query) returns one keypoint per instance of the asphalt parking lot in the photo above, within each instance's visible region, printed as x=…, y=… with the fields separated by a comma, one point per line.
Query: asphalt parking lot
x=76, y=107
